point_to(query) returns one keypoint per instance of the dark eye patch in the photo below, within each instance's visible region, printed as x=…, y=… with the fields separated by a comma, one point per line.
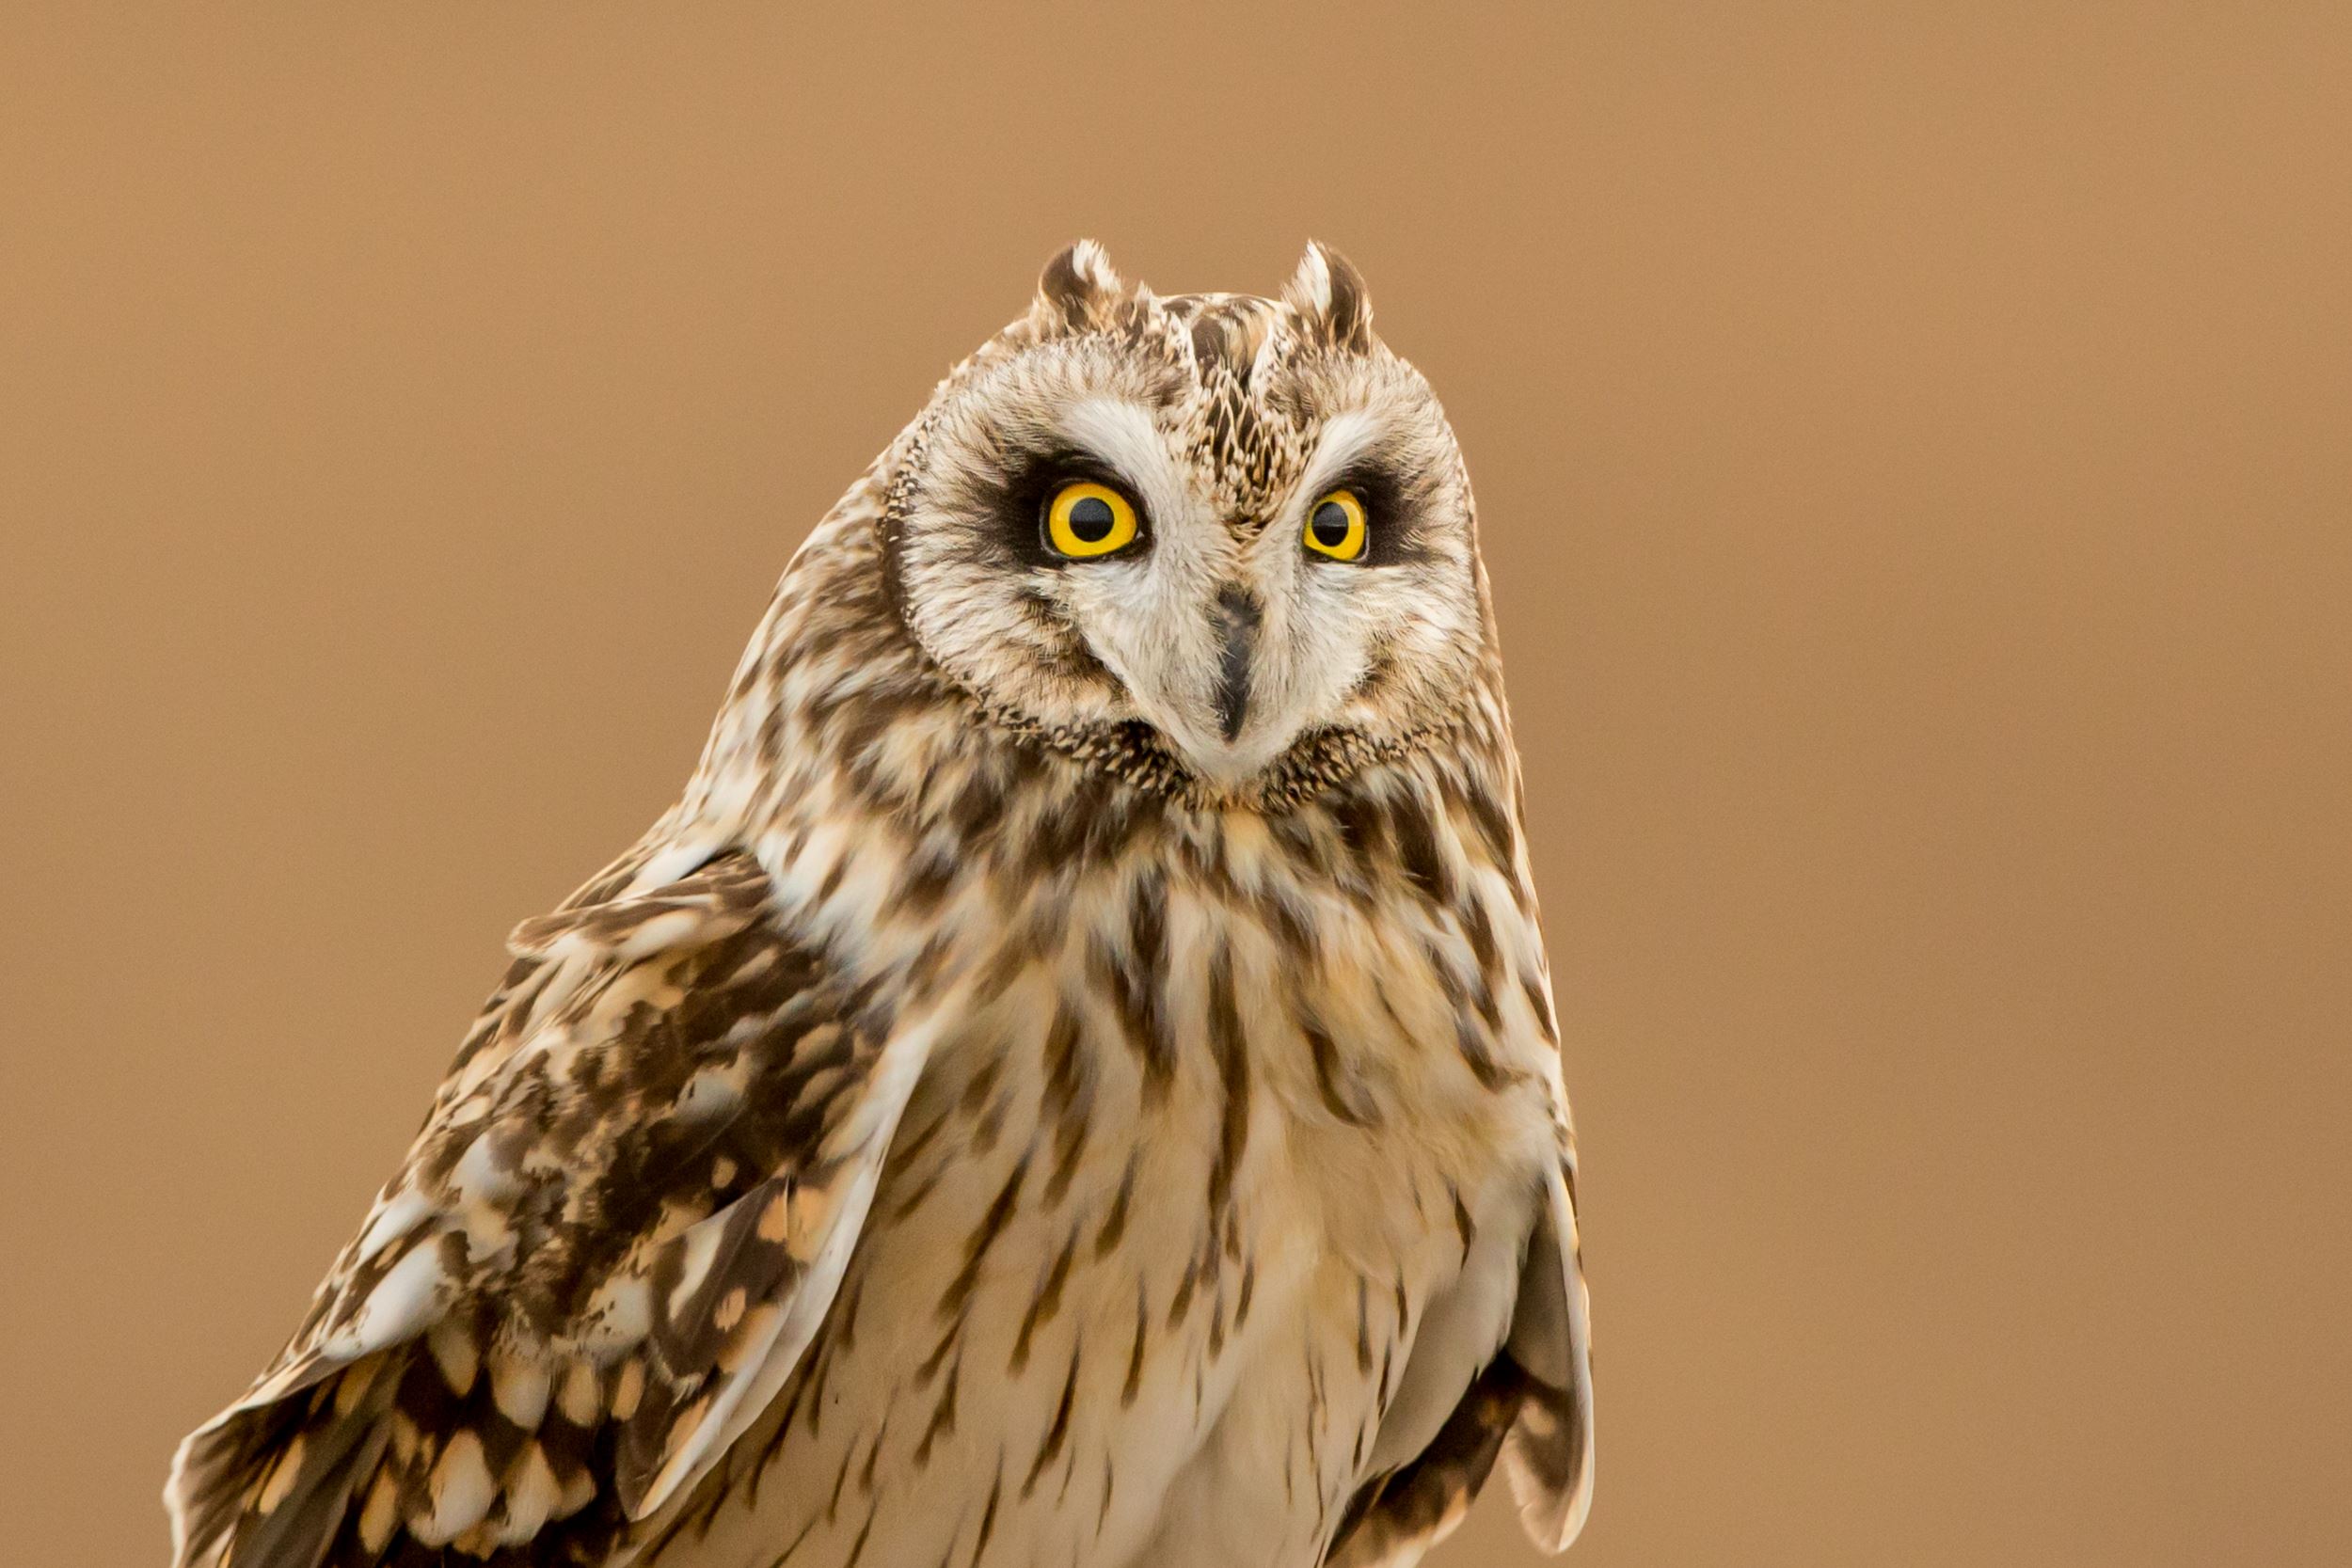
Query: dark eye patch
x=1017, y=498
x=1396, y=512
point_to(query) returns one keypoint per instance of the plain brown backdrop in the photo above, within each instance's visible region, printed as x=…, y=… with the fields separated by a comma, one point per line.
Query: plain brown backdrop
x=1915, y=452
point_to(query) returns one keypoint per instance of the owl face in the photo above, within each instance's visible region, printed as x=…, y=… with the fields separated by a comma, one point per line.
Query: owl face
x=1239, y=524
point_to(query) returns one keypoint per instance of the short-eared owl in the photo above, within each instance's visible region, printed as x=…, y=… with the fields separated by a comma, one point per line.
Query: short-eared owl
x=1072, y=1082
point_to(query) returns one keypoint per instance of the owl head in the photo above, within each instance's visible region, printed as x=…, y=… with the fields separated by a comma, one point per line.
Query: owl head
x=1224, y=529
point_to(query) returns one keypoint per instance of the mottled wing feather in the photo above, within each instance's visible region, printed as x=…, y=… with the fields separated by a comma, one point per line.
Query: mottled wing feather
x=1531, y=1405
x=1548, y=1452
x=631, y=1200
x=1397, y=1517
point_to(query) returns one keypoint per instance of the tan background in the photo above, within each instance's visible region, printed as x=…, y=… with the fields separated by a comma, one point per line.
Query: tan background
x=1916, y=452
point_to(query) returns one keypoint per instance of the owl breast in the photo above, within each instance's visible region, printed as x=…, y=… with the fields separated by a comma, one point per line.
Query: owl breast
x=1197, y=1168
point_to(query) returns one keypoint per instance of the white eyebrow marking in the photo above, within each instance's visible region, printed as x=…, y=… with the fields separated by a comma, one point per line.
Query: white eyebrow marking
x=1119, y=433
x=1124, y=435
x=1345, y=437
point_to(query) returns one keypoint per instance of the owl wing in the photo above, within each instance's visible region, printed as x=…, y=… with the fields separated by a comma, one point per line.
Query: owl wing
x=1531, y=1405
x=621, y=1225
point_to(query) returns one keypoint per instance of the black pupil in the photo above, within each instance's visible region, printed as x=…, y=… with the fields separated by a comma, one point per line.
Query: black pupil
x=1090, y=519
x=1331, y=525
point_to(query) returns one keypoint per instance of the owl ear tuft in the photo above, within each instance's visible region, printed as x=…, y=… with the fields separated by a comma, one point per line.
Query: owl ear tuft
x=1328, y=293
x=1079, y=290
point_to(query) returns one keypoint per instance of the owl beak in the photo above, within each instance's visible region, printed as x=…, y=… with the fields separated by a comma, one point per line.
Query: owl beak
x=1237, y=616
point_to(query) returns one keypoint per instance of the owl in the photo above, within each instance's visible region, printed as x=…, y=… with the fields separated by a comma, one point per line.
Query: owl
x=1073, y=1081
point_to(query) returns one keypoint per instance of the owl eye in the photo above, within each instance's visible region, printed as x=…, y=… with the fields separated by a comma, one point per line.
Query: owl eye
x=1085, y=520
x=1336, y=528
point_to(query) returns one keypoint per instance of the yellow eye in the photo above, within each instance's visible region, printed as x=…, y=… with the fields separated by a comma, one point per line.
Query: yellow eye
x=1335, y=526
x=1085, y=520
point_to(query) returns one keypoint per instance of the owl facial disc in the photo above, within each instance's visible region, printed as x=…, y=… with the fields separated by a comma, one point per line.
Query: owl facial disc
x=1239, y=523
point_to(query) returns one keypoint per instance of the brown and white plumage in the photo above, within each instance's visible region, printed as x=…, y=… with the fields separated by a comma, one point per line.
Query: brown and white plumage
x=1072, y=1082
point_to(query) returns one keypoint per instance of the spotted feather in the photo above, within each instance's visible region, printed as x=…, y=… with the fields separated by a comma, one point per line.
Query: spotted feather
x=618, y=1228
